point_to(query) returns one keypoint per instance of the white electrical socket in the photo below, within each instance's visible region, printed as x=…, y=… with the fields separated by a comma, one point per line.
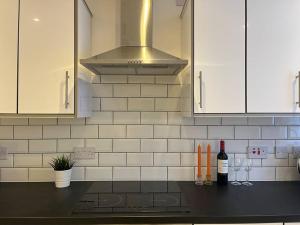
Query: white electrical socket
x=257, y=152
x=84, y=153
x=282, y=152
x=3, y=153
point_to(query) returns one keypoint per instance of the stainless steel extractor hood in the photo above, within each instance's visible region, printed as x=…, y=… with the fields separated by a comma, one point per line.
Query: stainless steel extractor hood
x=136, y=55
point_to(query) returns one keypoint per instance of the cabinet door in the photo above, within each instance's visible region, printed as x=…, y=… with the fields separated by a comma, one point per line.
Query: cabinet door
x=219, y=56
x=46, y=57
x=273, y=56
x=8, y=55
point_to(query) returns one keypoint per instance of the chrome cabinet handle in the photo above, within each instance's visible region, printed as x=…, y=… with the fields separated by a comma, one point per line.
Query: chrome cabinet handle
x=200, y=89
x=67, y=90
x=298, y=77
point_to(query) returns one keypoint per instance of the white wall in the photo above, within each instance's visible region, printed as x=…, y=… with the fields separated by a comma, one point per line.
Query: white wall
x=105, y=25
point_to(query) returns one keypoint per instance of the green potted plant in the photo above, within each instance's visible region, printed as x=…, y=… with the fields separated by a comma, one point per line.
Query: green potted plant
x=62, y=166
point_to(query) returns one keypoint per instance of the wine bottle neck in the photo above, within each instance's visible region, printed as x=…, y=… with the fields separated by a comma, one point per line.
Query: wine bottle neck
x=222, y=146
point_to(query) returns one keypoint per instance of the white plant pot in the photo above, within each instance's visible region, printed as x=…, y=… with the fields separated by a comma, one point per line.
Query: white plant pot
x=63, y=178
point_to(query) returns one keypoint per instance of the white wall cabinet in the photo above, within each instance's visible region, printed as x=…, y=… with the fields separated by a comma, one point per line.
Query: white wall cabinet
x=219, y=56
x=46, y=57
x=53, y=36
x=8, y=55
x=273, y=57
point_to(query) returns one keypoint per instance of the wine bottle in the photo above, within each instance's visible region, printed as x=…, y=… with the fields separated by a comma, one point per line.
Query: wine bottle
x=222, y=176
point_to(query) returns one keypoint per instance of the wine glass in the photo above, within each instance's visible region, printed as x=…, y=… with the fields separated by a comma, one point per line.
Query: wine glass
x=248, y=167
x=237, y=167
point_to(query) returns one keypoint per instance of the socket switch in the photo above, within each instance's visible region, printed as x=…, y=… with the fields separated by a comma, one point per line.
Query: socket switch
x=257, y=152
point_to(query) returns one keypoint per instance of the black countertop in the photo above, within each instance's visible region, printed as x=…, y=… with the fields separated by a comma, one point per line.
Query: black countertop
x=42, y=203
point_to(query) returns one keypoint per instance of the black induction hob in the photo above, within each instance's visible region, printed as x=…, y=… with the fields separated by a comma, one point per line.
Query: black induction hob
x=132, y=197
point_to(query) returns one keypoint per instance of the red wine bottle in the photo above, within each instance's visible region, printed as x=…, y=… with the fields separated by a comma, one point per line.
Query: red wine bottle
x=222, y=176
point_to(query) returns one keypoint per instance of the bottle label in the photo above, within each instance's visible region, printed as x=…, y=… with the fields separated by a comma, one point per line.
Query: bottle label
x=222, y=166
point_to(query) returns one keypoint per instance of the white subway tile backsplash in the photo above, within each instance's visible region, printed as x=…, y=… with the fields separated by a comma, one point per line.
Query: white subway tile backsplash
x=100, y=145
x=112, y=131
x=42, y=121
x=52, y=132
x=88, y=131
x=167, y=80
x=174, y=91
x=287, y=174
x=180, y=145
x=208, y=121
x=96, y=104
x=154, y=145
x=116, y=79
x=165, y=131
x=14, y=174
x=247, y=132
x=167, y=159
x=127, y=90
x=180, y=173
x=126, y=145
x=141, y=104
x=154, y=118
x=294, y=132
x=176, y=118
x=234, y=121
x=141, y=79
x=260, y=121
x=151, y=90
x=287, y=120
x=127, y=118
x=68, y=145
x=112, y=159
x=262, y=174
x=14, y=121
x=28, y=160
x=9, y=162
x=42, y=146
x=191, y=132
x=139, y=131
x=70, y=121
x=98, y=173
x=15, y=146
x=86, y=162
x=126, y=173
x=154, y=173
x=236, y=146
x=220, y=132
x=139, y=159
x=167, y=104
x=102, y=90
x=78, y=174
x=273, y=161
x=41, y=174
x=114, y=104
x=28, y=132
x=6, y=132
x=278, y=132
x=100, y=118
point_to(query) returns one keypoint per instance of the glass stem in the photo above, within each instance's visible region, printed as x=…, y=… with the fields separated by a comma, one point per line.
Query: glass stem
x=247, y=174
x=235, y=176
